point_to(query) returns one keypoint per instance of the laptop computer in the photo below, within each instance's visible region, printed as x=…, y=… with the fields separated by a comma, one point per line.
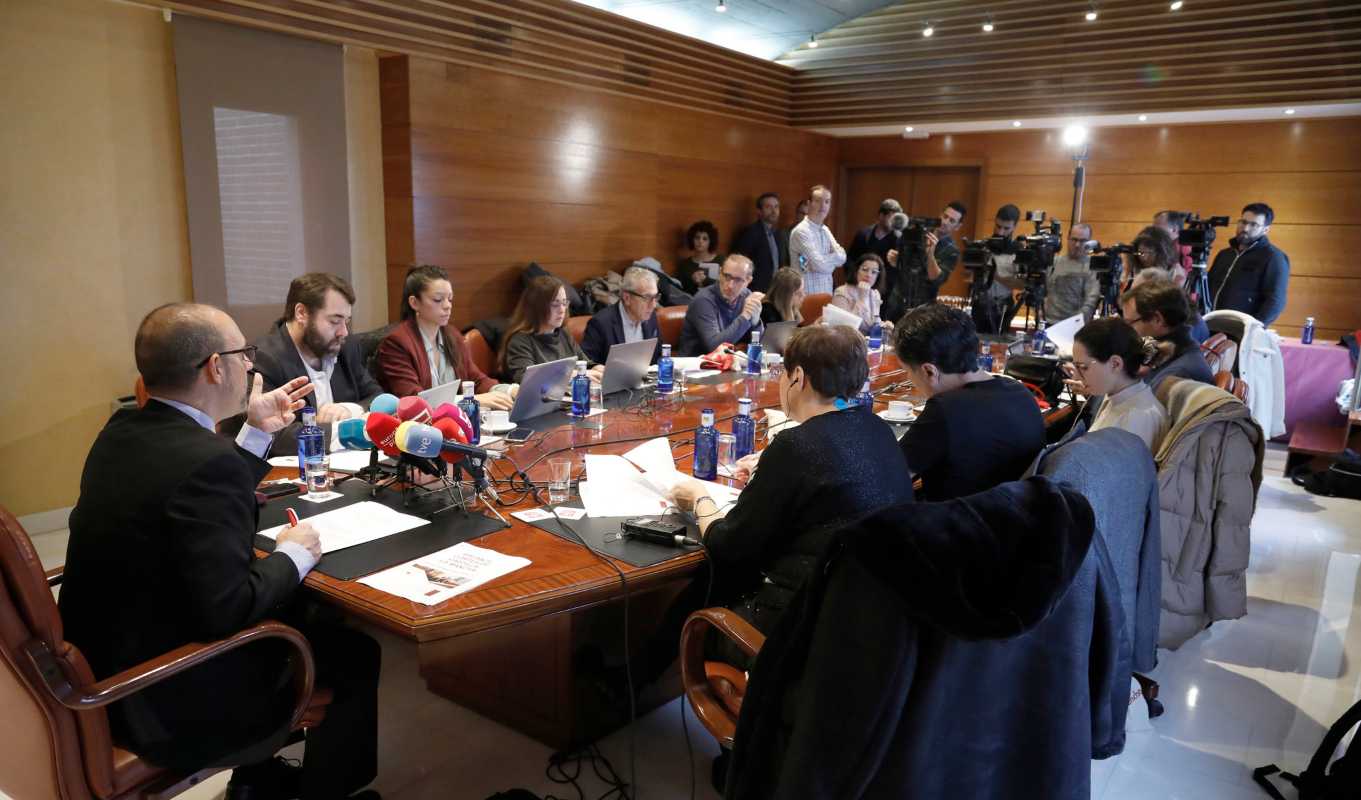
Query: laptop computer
x=444, y=393
x=626, y=365
x=542, y=388
x=776, y=336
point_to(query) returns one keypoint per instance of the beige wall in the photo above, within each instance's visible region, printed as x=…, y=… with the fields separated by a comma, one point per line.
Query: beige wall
x=92, y=222
x=92, y=226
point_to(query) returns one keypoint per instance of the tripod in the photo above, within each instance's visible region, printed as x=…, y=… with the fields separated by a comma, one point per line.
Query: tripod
x=1032, y=298
x=1197, y=288
x=1110, y=294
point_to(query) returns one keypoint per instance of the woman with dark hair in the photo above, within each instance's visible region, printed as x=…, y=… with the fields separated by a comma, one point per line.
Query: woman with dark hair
x=784, y=301
x=1107, y=356
x=835, y=465
x=860, y=295
x=702, y=239
x=536, y=334
x=1155, y=256
x=426, y=350
x=1158, y=309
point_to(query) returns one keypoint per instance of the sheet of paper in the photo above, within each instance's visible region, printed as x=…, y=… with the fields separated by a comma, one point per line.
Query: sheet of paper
x=654, y=454
x=779, y=421
x=681, y=364
x=629, y=498
x=603, y=469
x=541, y=514
x=345, y=460
x=432, y=579
x=831, y=315
x=1061, y=333
x=356, y=524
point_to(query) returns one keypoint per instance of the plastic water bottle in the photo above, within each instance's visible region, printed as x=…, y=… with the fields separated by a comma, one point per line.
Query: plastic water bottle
x=581, y=392
x=743, y=429
x=754, y=354
x=985, y=358
x=1037, y=343
x=666, y=378
x=866, y=398
x=311, y=443
x=876, y=336
x=473, y=410
x=1307, y=335
x=706, y=447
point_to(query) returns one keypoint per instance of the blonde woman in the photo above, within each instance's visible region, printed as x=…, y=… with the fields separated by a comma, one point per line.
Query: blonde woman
x=784, y=301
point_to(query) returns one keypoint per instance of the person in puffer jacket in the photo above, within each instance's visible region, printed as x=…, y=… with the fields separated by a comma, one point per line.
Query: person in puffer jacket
x=1209, y=471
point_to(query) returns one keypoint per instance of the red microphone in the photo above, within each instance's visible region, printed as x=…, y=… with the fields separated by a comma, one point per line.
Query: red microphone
x=451, y=430
x=414, y=409
x=382, y=431
x=453, y=412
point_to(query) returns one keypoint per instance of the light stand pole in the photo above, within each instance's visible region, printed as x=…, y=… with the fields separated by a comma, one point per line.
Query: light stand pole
x=1080, y=153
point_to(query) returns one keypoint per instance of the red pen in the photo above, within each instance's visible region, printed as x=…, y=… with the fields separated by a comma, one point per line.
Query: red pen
x=292, y=517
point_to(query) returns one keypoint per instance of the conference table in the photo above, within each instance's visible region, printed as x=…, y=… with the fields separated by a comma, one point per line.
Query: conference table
x=510, y=649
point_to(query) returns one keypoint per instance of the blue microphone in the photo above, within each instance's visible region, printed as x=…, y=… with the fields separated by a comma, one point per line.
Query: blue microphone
x=352, y=435
x=384, y=404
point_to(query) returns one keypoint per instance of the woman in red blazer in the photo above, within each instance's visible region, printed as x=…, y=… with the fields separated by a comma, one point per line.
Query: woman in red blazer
x=404, y=356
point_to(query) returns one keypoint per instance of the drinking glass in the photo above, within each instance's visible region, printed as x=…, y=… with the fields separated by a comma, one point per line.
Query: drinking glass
x=559, y=480
x=318, y=475
x=727, y=449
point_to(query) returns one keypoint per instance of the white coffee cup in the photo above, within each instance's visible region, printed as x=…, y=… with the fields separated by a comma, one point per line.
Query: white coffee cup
x=899, y=409
x=497, y=418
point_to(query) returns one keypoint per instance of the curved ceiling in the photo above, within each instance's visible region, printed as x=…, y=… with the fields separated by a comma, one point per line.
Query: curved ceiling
x=1043, y=58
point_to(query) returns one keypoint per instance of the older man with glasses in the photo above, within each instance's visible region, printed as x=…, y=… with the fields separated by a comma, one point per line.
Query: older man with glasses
x=725, y=312
x=1072, y=287
x=632, y=319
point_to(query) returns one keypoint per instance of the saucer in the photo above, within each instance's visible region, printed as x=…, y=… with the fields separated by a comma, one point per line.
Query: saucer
x=884, y=415
x=490, y=428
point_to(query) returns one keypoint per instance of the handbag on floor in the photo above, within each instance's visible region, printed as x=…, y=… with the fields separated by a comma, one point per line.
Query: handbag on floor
x=1322, y=781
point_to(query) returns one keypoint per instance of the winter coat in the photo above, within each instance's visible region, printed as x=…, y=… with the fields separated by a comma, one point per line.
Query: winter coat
x=1209, y=471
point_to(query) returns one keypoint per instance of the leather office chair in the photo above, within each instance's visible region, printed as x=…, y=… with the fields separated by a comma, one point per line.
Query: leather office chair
x=58, y=743
x=576, y=327
x=812, y=307
x=368, y=345
x=480, y=351
x=670, y=321
x=715, y=689
x=1221, y=353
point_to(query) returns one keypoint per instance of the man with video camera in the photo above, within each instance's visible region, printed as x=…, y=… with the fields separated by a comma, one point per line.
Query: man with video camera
x=877, y=238
x=991, y=286
x=927, y=257
x=1251, y=275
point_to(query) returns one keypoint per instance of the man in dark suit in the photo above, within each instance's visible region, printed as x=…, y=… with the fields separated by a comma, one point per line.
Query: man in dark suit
x=877, y=238
x=764, y=242
x=312, y=339
x=160, y=555
x=632, y=319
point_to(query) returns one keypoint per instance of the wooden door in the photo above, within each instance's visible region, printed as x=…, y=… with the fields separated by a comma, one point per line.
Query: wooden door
x=932, y=189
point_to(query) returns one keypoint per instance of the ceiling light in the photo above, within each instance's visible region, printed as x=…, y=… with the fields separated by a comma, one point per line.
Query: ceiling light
x=1176, y=5
x=987, y=24
x=1074, y=135
x=908, y=129
x=1091, y=13
x=812, y=40
x=1016, y=123
x=722, y=6
x=1289, y=111
x=928, y=31
x=1143, y=118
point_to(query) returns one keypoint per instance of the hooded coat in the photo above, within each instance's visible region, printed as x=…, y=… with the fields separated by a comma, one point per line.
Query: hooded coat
x=1209, y=471
x=970, y=648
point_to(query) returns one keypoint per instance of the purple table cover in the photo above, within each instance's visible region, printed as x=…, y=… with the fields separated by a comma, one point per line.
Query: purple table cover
x=1312, y=374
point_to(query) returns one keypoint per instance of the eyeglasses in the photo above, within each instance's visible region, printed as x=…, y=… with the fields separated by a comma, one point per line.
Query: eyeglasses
x=732, y=278
x=248, y=352
x=646, y=298
x=1081, y=366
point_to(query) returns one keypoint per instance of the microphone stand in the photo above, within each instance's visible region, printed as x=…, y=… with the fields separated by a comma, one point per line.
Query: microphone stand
x=477, y=473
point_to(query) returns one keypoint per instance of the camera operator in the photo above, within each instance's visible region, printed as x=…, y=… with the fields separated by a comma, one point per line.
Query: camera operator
x=878, y=238
x=922, y=270
x=1072, y=288
x=1251, y=275
x=993, y=305
x=1155, y=256
x=1172, y=223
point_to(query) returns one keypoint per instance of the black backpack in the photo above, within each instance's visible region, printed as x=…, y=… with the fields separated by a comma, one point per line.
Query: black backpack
x=1318, y=782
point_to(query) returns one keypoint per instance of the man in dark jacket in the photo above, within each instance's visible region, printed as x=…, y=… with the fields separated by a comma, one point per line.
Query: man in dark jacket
x=312, y=339
x=962, y=649
x=877, y=238
x=764, y=242
x=1251, y=275
x=160, y=555
x=632, y=319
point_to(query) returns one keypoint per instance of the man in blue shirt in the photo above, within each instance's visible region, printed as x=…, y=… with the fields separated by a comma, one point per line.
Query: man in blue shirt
x=725, y=312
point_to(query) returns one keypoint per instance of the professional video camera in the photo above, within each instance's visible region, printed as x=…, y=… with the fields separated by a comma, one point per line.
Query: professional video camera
x=1035, y=253
x=913, y=229
x=1108, y=263
x=1199, y=235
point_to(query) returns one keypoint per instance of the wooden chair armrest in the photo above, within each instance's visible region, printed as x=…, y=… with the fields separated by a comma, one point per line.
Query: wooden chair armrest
x=55, y=575
x=711, y=710
x=150, y=673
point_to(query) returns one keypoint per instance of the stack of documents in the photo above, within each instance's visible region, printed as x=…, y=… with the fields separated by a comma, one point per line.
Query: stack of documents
x=833, y=315
x=355, y=524
x=432, y=579
x=615, y=488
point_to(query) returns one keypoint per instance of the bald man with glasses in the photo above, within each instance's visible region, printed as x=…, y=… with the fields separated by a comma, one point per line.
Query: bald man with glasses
x=727, y=311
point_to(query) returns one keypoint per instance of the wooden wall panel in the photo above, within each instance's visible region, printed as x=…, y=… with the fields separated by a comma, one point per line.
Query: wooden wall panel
x=1309, y=171
x=502, y=170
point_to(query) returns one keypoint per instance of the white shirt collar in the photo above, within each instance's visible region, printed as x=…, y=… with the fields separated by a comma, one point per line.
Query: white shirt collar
x=193, y=413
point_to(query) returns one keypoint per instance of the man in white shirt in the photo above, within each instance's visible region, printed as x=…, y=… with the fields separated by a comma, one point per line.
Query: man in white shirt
x=813, y=250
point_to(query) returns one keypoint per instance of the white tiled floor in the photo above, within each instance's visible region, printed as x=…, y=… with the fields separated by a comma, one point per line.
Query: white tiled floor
x=1257, y=690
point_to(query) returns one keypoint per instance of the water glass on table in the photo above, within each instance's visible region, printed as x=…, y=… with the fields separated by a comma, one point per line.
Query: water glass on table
x=727, y=454
x=559, y=480
x=318, y=472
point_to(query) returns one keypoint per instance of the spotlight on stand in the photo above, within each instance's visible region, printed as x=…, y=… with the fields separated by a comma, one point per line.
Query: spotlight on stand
x=1075, y=139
